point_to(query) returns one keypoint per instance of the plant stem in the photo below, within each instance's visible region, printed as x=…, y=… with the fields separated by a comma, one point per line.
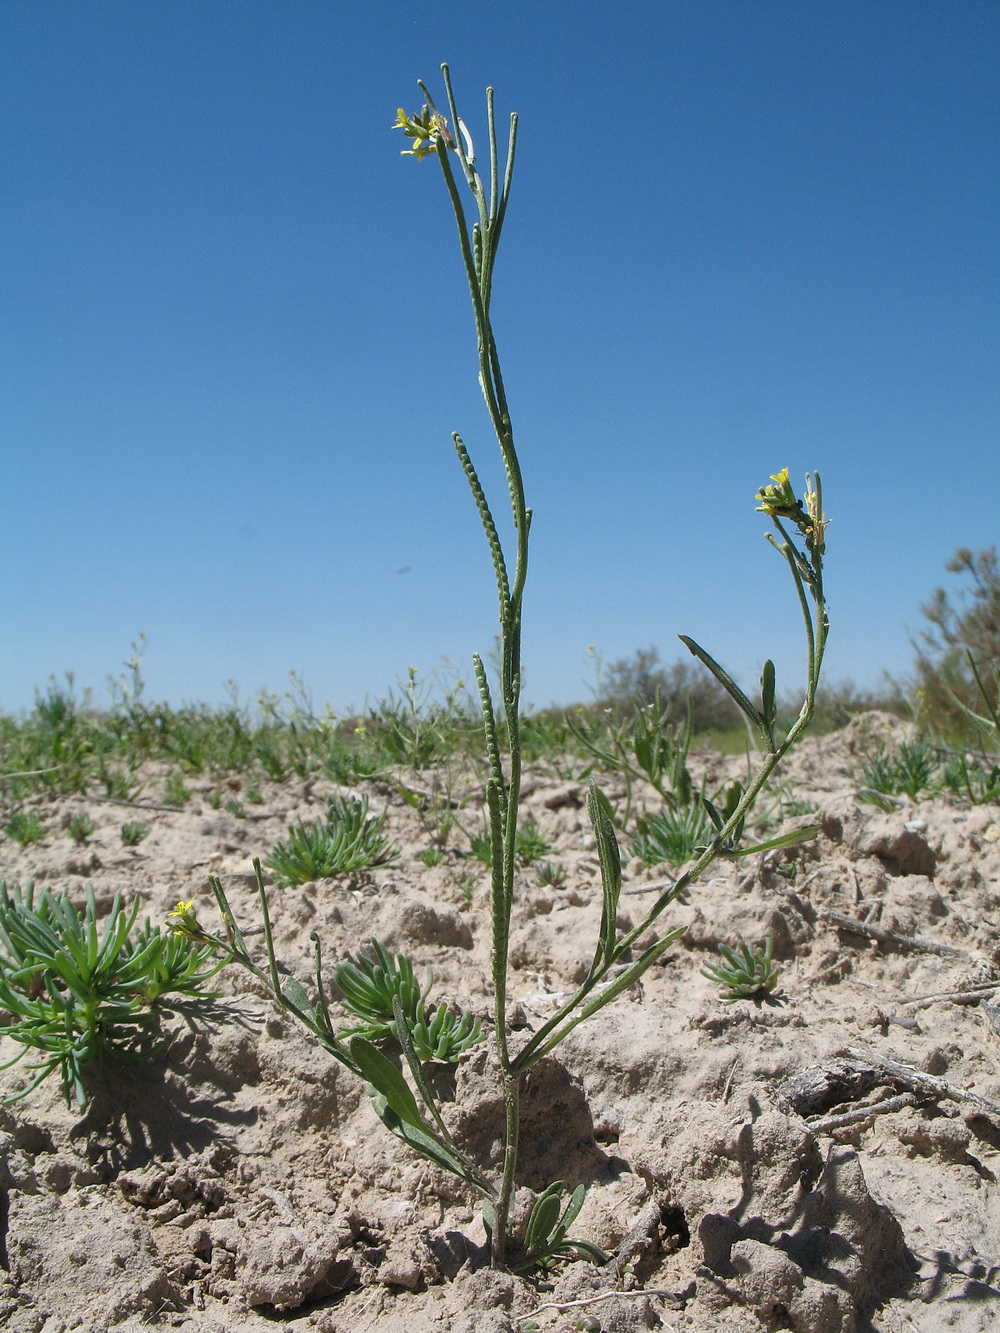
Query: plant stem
x=478, y=246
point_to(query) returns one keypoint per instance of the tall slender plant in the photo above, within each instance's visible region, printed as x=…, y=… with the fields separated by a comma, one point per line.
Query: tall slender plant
x=799, y=537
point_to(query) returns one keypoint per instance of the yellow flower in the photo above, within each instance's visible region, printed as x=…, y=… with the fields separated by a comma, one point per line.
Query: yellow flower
x=425, y=129
x=779, y=499
x=183, y=921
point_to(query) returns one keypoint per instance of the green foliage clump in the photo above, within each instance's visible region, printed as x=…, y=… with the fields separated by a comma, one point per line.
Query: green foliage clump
x=551, y=874
x=81, y=828
x=133, y=832
x=25, y=827
x=530, y=845
x=910, y=770
x=922, y=771
x=748, y=972
x=416, y=727
x=545, y=1237
x=175, y=790
x=348, y=840
x=78, y=993
x=971, y=780
x=382, y=990
x=672, y=836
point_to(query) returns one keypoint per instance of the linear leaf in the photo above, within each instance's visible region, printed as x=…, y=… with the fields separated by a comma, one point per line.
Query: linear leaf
x=767, y=698
x=611, y=868
x=792, y=839
x=727, y=683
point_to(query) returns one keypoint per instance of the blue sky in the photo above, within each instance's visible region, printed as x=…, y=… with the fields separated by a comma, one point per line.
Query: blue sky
x=234, y=335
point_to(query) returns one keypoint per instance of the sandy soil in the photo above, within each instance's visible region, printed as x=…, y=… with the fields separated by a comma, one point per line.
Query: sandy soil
x=241, y=1183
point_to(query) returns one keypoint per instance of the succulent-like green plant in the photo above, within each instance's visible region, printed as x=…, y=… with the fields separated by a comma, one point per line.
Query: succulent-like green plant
x=175, y=790
x=373, y=987
x=78, y=992
x=25, y=827
x=748, y=972
x=444, y=1034
x=531, y=843
x=672, y=836
x=81, y=828
x=348, y=840
x=551, y=874
x=910, y=771
x=133, y=832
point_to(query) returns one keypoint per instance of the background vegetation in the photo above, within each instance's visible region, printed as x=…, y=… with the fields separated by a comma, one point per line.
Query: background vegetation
x=64, y=744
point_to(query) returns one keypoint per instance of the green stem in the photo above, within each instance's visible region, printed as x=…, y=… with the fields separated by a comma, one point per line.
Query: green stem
x=512, y=1119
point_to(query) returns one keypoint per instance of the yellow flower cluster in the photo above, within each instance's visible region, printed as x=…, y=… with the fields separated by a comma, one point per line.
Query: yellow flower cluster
x=425, y=129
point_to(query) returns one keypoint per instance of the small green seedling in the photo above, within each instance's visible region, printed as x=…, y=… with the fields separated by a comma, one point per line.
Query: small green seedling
x=77, y=993
x=25, y=827
x=350, y=840
x=971, y=781
x=672, y=836
x=909, y=771
x=748, y=972
x=175, y=790
x=531, y=843
x=551, y=875
x=133, y=833
x=431, y=856
x=81, y=828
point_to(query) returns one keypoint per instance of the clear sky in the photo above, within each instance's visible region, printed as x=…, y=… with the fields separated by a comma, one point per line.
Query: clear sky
x=234, y=332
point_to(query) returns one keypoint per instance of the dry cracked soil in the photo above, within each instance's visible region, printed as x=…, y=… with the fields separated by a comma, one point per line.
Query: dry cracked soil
x=240, y=1182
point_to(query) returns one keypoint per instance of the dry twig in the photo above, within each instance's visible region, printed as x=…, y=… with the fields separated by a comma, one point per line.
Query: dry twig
x=595, y=1300
x=861, y=1113
x=885, y=936
x=971, y=996
x=925, y=1085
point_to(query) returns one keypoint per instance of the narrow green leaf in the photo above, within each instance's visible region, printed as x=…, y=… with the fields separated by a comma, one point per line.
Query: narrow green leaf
x=805, y=834
x=727, y=683
x=573, y=1207
x=588, y=1250
x=295, y=993
x=610, y=859
x=767, y=697
x=713, y=813
x=424, y=1142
